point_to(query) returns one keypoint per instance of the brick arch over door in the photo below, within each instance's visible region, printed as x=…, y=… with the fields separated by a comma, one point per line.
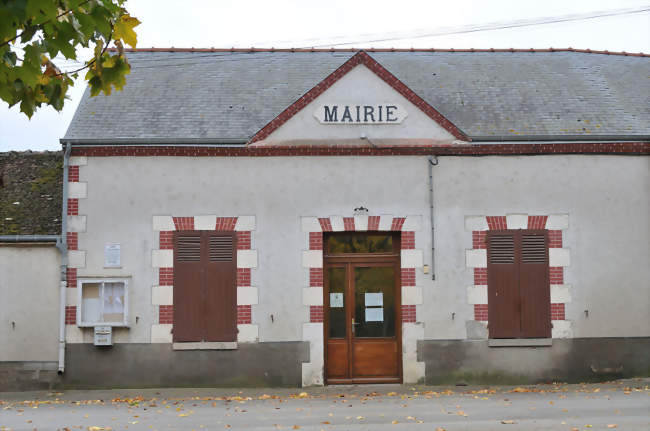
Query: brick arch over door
x=411, y=262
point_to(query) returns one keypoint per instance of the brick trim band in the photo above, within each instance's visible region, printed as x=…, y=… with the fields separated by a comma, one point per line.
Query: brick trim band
x=627, y=148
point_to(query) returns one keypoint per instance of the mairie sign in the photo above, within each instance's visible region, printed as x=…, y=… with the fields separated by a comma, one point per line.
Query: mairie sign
x=382, y=113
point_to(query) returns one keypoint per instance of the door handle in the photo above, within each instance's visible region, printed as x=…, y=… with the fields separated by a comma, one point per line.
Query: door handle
x=353, y=323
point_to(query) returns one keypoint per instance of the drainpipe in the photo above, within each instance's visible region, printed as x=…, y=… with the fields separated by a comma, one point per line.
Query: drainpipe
x=63, y=247
x=433, y=161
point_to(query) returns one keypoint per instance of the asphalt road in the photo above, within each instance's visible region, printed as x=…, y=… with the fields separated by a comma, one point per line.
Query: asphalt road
x=623, y=405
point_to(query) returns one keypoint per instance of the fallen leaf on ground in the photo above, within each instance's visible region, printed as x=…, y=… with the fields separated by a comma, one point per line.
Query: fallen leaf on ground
x=394, y=422
x=508, y=421
x=295, y=427
x=612, y=426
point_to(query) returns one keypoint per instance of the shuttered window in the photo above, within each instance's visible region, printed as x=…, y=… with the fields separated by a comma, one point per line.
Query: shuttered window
x=518, y=285
x=205, y=291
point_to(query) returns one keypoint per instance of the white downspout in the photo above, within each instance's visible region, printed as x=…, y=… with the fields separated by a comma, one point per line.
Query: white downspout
x=63, y=247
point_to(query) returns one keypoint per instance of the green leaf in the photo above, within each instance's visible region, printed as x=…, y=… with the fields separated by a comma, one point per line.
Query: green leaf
x=45, y=28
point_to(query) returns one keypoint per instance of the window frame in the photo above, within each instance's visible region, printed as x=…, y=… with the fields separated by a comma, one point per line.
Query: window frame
x=518, y=235
x=82, y=280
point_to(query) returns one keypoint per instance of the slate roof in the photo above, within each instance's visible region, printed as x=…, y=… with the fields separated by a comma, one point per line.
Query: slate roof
x=202, y=96
x=31, y=187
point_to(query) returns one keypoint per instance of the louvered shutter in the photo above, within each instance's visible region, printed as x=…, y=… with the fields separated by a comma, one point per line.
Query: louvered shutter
x=188, y=287
x=221, y=287
x=534, y=285
x=503, y=287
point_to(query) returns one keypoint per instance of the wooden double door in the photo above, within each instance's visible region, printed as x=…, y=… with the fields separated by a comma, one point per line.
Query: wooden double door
x=362, y=304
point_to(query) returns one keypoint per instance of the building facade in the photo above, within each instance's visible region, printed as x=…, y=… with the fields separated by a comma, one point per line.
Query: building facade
x=267, y=218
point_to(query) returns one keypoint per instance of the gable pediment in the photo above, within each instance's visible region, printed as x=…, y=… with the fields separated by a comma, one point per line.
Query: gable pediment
x=359, y=101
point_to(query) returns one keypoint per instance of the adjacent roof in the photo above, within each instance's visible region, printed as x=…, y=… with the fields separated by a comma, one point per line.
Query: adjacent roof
x=222, y=96
x=31, y=186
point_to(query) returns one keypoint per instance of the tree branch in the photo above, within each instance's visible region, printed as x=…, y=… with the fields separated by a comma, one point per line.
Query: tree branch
x=7, y=42
x=91, y=62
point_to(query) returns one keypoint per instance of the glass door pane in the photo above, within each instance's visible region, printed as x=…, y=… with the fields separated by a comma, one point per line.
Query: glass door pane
x=337, y=319
x=374, y=297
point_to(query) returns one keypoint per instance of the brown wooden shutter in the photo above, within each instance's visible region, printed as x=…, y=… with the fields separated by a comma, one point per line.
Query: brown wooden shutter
x=534, y=285
x=205, y=290
x=221, y=287
x=188, y=287
x=503, y=285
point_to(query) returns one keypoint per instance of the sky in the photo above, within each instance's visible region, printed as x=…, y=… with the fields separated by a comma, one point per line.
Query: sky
x=305, y=23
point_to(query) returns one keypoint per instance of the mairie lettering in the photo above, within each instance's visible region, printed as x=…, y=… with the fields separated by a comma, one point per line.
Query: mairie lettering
x=361, y=114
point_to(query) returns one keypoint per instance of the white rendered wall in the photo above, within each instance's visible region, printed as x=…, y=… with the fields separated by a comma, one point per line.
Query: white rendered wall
x=605, y=197
x=29, y=297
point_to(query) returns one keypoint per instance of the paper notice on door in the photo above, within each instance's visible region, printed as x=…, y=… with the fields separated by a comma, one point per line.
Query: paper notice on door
x=336, y=300
x=374, y=314
x=374, y=299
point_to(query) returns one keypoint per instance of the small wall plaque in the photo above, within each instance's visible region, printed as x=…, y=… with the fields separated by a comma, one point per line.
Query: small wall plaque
x=112, y=255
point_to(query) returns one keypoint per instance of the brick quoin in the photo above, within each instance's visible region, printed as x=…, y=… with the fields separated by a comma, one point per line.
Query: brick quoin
x=325, y=224
x=70, y=314
x=184, y=223
x=480, y=276
x=316, y=313
x=73, y=174
x=537, y=222
x=407, y=276
x=166, y=276
x=71, y=277
x=244, y=314
x=408, y=240
x=481, y=312
x=243, y=277
x=315, y=240
x=73, y=240
x=478, y=239
x=373, y=222
x=73, y=206
x=638, y=148
x=225, y=224
x=556, y=275
x=557, y=311
x=166, y=240
x=408, y=314
x=554, y=239
x=397, y=223
x=165, y=314
x=496, y=222
x=315, y=277
x=348, y=223
x=244, y=240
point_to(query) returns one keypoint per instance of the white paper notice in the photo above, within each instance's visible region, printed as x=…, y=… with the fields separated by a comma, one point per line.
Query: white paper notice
x=374, y=299
x=112, y=255
x=336, y=300
x=374, y=314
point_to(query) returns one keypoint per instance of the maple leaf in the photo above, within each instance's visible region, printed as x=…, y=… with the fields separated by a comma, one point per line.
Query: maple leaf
x=123, y=29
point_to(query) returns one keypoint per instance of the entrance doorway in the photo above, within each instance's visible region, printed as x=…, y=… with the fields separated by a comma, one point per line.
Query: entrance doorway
x=362, y=301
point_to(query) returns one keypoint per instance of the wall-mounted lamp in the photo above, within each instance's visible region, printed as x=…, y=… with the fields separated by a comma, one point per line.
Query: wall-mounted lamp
x=361, y=211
